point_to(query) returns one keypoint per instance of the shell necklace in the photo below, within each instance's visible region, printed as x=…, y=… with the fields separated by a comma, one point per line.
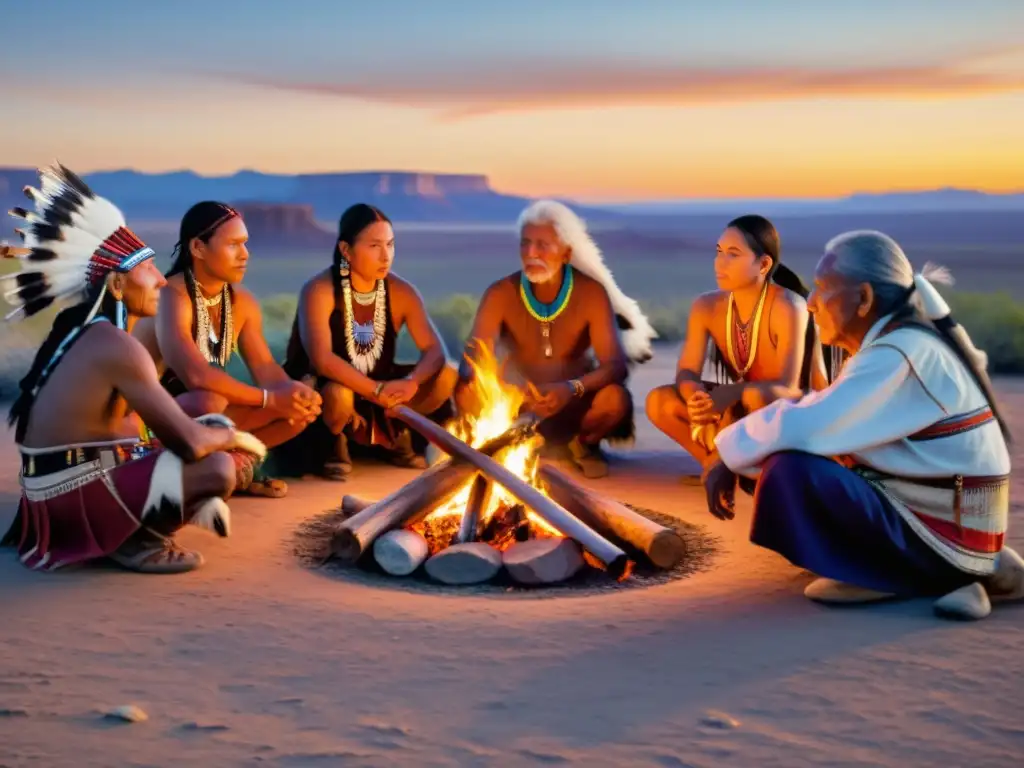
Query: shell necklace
x=748, y=333
x=364, y=342
x=206, y=337
x=546, y=313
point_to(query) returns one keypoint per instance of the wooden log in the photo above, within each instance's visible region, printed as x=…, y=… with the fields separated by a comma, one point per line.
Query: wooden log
x=417, y=498
x=479, y=498
x=353, y=505
x=662, y=546
x=406, y=506
x=400, y=552
x=611, y=556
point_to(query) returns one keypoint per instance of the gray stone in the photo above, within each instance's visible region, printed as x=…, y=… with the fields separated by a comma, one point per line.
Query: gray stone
x=721, y=720
x=470, y=563
x=543, y=561
x=400, y=552
x=128, y=714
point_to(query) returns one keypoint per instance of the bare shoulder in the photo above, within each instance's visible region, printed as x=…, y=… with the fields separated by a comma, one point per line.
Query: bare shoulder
x=587, y=286
x=115, y=350
x=175, y=290
x=706, y=304
x=502, y=290
x=319, y=285
x=402, y=289
x=789, y=303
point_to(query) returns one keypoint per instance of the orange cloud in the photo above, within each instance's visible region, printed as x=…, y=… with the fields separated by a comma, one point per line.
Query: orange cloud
x=527, y=87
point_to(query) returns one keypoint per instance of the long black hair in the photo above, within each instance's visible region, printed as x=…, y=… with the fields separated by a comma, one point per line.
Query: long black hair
x=67, y=322
x=201, y=221
x=763, y=239
x=353, y=221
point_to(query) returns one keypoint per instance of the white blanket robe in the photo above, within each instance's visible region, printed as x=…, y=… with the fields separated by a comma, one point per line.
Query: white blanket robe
x=894, y=387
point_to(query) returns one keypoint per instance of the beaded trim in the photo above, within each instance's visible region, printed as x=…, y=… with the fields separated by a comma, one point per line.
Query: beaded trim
x=545, y=313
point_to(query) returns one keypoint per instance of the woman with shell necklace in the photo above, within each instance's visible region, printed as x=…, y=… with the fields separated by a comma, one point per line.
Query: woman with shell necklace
x=343, y=342
x=754, y=335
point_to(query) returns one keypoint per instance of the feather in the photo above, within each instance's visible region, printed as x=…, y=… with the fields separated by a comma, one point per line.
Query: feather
x=934, y=273
x=21, y=213
x=69, y=226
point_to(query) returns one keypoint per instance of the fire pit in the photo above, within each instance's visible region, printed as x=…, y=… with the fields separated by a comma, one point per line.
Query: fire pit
x=492, y=508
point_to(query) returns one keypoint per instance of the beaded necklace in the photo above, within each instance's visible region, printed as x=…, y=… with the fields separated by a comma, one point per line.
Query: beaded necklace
x=546, y=313
x=364, y=342
x=747, y=334
x=206, y=337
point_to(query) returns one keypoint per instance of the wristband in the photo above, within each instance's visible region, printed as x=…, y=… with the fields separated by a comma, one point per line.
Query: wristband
x=264, y=399
x=378, y=388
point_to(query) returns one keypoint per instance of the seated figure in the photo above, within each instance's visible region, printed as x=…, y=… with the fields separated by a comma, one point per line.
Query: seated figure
x=556, y=326
x=91, y=486
x=343, y=343
x=894, y=480
x=747, y=344
x=206, y=317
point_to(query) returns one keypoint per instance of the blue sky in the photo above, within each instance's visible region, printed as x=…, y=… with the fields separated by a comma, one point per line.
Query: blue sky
x=458, y=86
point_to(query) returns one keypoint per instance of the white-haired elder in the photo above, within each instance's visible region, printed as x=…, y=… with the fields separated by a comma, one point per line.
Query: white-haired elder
x=893, y=481
x=566, y=333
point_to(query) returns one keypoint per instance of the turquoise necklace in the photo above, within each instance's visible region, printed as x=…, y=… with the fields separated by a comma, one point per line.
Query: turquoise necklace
x=546, y=313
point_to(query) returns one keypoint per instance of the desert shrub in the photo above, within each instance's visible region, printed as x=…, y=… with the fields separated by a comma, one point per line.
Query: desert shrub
x=994, y=320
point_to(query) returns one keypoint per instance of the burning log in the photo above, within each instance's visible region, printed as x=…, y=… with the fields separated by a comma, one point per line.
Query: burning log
x=611, y=556
x=662, y=546
x=479, y=497
x=415, y=500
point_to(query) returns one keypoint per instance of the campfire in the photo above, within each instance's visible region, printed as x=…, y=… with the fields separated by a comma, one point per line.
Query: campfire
x=492, y=506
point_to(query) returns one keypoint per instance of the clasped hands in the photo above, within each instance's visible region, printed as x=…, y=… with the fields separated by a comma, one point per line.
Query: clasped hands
x=295, y=401
x=546, y=400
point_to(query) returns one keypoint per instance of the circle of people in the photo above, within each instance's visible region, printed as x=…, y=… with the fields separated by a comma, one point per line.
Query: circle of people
x=857, y=412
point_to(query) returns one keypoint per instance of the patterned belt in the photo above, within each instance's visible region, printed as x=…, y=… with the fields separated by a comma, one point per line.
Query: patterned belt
x=42, y=464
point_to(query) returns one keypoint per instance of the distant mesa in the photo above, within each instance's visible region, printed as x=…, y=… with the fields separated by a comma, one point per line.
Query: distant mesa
x=438, y=198
x=283, y=223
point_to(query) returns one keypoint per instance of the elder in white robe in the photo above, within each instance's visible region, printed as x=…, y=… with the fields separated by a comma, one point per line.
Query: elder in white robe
x=917, y=501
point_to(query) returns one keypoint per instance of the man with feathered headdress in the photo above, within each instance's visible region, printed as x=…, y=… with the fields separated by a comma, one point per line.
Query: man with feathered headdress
x=569, y=334
x=92, y=486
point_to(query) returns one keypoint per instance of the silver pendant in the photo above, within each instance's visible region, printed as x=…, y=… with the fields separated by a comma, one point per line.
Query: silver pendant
x=363, y=334
x=545, y=332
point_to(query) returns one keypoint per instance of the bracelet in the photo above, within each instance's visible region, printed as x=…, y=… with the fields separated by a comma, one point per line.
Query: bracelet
x=264, y=399
x=378, y=388
x=577, y=387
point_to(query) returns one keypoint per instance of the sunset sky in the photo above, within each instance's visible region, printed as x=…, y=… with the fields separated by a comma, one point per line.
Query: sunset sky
x=591, y=99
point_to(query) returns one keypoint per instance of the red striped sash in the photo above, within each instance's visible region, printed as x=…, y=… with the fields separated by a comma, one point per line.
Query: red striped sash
x=955, y=425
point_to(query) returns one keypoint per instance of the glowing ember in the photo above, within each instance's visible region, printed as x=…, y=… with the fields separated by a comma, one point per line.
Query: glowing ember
x=503, y=520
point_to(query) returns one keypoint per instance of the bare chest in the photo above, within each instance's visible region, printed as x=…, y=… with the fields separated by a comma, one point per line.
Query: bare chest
x=547, y=350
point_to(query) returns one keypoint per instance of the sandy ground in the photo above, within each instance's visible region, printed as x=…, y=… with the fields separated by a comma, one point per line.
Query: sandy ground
x=256, y=660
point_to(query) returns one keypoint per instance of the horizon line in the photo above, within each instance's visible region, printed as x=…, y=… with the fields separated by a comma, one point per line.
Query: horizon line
x=604, y=202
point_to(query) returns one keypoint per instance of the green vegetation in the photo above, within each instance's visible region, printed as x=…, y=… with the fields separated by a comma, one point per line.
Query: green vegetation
x=994, y=320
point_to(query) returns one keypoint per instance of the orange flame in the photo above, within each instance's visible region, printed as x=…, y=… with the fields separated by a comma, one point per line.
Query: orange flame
x=497, y=408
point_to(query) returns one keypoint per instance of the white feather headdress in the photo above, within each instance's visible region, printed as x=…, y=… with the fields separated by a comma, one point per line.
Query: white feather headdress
x=636, y=329
x=72, y=241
